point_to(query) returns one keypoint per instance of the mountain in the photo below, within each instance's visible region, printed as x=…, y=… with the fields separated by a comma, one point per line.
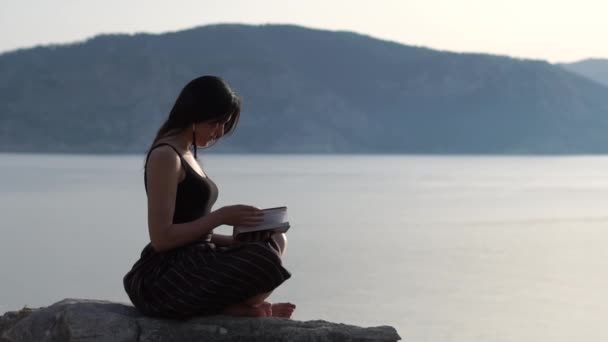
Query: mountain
x=303, y=90
x=594, y=69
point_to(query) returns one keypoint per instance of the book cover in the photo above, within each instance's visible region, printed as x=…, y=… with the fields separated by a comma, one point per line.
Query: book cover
x=275, y=219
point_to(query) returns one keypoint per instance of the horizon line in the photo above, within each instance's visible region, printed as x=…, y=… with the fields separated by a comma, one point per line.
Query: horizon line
x=226, y=23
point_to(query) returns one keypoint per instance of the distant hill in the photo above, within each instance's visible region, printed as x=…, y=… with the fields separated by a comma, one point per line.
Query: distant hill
x=594, y=69
x=303, y=90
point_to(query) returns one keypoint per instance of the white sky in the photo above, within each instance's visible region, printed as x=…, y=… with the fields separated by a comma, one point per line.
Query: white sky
x=554, y=30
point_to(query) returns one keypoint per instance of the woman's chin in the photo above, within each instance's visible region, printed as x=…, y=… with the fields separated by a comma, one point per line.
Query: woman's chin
x=209, y=143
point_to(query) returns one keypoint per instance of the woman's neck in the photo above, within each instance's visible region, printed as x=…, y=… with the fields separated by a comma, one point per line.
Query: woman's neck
x=182, y=141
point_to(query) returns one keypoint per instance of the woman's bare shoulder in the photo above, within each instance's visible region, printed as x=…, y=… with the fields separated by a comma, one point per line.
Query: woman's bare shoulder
x=163, y=158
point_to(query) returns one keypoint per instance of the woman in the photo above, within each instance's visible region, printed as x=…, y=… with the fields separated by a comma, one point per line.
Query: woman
x=186, y=270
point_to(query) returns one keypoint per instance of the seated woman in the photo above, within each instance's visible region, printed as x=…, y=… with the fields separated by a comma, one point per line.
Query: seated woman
x=186, y=270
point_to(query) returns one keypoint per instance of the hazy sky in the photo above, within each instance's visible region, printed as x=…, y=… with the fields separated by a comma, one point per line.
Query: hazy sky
x=555, y=30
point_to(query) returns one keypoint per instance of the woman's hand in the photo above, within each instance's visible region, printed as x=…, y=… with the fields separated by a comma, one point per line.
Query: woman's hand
x=240, y=215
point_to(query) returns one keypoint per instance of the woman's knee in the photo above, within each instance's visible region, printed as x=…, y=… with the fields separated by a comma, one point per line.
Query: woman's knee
x=281, y=240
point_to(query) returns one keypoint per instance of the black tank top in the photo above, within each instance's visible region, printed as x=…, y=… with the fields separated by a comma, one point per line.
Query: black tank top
x=195, y=194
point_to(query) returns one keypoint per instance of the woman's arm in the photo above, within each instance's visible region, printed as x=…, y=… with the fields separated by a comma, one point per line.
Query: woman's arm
x=163, y=172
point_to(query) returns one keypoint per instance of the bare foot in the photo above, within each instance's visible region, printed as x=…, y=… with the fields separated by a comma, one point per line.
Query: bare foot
x=267, y=308
x=243, y=310
x=284, y=310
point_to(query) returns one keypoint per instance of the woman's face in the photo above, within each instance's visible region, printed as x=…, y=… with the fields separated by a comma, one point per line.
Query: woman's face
x=207, y=132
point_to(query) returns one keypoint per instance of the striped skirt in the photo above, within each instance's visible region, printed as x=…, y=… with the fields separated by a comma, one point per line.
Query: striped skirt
x=201, y=279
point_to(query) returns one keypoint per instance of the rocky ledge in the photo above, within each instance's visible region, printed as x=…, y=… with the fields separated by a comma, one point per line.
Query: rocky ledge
x=72, y=320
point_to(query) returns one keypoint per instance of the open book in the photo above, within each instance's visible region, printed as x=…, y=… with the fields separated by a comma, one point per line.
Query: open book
x=275, y=219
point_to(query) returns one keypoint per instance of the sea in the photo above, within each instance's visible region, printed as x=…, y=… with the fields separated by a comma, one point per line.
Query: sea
x=443, y=248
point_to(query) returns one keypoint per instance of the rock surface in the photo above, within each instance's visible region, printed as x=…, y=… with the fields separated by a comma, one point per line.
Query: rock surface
x=77, y=320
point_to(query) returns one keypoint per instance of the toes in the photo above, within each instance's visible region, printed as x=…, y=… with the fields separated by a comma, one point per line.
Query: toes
x=285, y=305
x=284, y=310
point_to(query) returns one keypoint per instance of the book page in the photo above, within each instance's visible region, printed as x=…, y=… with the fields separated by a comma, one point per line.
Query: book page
x=274, y=219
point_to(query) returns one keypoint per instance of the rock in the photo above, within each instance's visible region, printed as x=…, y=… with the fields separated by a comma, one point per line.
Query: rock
x=77, y=320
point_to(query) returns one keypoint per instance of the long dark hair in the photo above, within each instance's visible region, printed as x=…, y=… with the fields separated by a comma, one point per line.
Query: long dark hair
x=204, y=99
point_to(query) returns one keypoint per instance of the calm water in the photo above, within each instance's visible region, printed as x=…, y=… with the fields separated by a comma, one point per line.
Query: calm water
x=442, y=248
